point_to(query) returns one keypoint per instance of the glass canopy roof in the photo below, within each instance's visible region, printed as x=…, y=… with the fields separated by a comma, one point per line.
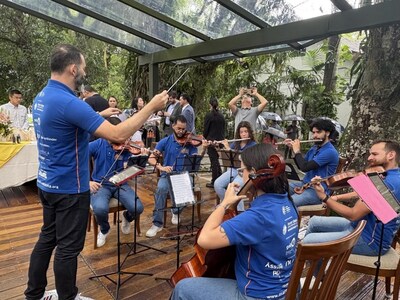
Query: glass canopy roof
x=187, y=31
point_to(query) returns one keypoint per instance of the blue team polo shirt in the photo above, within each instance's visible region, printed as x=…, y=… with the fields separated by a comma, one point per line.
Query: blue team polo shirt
x=371, y=233
x=327, y=159
x=265, y=237
x=107, y=161
x=173, y=152
x=62, y=125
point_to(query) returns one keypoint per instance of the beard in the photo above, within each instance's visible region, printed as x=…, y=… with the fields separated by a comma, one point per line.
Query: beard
x=79, y=80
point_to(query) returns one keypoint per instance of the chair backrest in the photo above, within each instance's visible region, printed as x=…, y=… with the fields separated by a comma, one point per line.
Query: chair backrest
x=343, y=164
x=325, y=261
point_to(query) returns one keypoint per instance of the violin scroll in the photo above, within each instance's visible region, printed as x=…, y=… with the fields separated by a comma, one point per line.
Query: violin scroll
x=276, y=167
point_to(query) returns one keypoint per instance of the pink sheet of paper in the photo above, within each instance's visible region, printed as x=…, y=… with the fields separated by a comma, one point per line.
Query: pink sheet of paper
x=364, y=187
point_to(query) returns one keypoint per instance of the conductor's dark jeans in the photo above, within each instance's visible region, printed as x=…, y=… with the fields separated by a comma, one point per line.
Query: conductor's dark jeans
x=65, y=219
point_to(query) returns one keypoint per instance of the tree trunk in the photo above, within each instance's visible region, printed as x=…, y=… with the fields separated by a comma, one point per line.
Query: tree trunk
x=376, y=106
x=331, y=63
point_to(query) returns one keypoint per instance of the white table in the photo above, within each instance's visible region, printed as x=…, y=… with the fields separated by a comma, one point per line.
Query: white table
x=21, y=168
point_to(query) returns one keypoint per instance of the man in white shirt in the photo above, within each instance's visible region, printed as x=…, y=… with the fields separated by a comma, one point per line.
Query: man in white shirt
x=16, y=111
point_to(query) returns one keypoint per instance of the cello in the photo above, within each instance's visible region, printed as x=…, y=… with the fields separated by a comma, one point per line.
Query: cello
x=219, y=263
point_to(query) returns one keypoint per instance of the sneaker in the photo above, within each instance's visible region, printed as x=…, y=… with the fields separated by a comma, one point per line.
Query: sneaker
x=125, y=224
x=80, y=297
x=174, y=219
x=50, y=295
x=153, y=231
x=101, y=238
x=210, y=185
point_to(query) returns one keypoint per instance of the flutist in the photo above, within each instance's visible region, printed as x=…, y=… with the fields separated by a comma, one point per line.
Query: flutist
x=321, y=160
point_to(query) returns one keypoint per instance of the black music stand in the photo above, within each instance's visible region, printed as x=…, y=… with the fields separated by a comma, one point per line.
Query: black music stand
x=291, y=172
x=383, y=204
x=139, y=161
x=230, y=159
x=182, y=195
x=118, y=179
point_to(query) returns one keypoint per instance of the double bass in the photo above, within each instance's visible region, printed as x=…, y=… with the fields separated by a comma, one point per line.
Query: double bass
x=219, y=263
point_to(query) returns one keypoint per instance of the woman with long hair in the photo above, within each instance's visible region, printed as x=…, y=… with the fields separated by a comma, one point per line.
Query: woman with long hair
x=243, y=131
x=264, y=236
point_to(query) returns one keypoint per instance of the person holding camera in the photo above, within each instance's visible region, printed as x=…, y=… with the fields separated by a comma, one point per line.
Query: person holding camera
x=246, y=112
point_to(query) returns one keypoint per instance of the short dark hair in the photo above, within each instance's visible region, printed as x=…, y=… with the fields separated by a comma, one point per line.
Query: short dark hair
x=114, y=120
x=390, y=146
x=88, y=88
x=322, y=124
x=256, y=157
x=173, y=94
x=186, y=97
x=180, y=118
x=64, y=55
x=14, y=92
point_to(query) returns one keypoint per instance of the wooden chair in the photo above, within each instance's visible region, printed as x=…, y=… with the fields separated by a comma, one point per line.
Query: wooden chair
x=321, y=209
x=390, y=266
x=114, y=209
x=326, y=261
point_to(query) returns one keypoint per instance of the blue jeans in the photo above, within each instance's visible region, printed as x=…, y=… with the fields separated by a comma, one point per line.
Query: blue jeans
x=308, y=197
x=64, y=226
x=163, y=188
x=200, y=288
x=325, y=229
x=100, y=202
x=221, y=184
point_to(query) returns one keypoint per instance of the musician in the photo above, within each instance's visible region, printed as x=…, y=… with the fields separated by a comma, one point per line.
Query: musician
x=107, y=162
x=246, y=112
x=187, y=110
x=265, y=237
x=62, y=124
x=214, y=130
x=383, y=153
x=321, y=160
x=243, y=131
x=173, y=152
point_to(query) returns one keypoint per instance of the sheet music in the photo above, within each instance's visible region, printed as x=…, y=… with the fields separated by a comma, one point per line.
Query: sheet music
x=182, y=189
x=125, y=175
x=373, y=198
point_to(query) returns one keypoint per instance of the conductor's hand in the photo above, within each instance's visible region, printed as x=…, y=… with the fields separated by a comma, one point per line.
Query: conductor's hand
x=319, y=189
x=159, y=101
x=230, y=194
x=109, y=112
x=94, y=186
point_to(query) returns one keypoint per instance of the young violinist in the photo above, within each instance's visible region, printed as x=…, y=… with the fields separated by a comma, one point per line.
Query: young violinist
x=243, y=131
x=173, y=149
x=383, y=153
x=321, y=160
x=106, y=162
x=265, y=236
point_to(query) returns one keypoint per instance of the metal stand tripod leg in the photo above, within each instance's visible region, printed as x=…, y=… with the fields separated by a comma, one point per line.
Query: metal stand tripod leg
x=119, y=272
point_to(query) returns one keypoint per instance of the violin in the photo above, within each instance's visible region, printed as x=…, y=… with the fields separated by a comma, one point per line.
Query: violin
x=339, y=180
x=133, y=147
x=219, y=263
x=190, y=139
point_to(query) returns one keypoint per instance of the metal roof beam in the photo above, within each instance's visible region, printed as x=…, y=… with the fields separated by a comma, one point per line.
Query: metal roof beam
x=69, y=26
x=367, y=17
x=343, y=5
x=240, y=11
x=111, y=22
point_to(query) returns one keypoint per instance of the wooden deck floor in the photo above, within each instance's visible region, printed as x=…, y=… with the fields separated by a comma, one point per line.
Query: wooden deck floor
x=20, y=222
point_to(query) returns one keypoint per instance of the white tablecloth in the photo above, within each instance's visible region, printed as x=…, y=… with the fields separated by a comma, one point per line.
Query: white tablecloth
x=21, y=168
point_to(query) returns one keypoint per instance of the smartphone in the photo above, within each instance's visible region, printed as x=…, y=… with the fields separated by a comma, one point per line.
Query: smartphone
x=245, y=188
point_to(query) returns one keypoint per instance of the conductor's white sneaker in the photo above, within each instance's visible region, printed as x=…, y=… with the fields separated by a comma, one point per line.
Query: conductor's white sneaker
x=50, y=295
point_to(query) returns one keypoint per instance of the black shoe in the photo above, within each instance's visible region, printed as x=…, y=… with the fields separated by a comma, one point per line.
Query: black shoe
x=210, y=185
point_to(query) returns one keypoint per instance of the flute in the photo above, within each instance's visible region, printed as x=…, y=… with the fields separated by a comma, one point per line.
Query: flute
x=230, y=141
x=305, y=141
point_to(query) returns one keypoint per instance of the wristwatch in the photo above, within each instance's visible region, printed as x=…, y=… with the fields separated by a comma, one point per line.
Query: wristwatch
x=325, y=199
